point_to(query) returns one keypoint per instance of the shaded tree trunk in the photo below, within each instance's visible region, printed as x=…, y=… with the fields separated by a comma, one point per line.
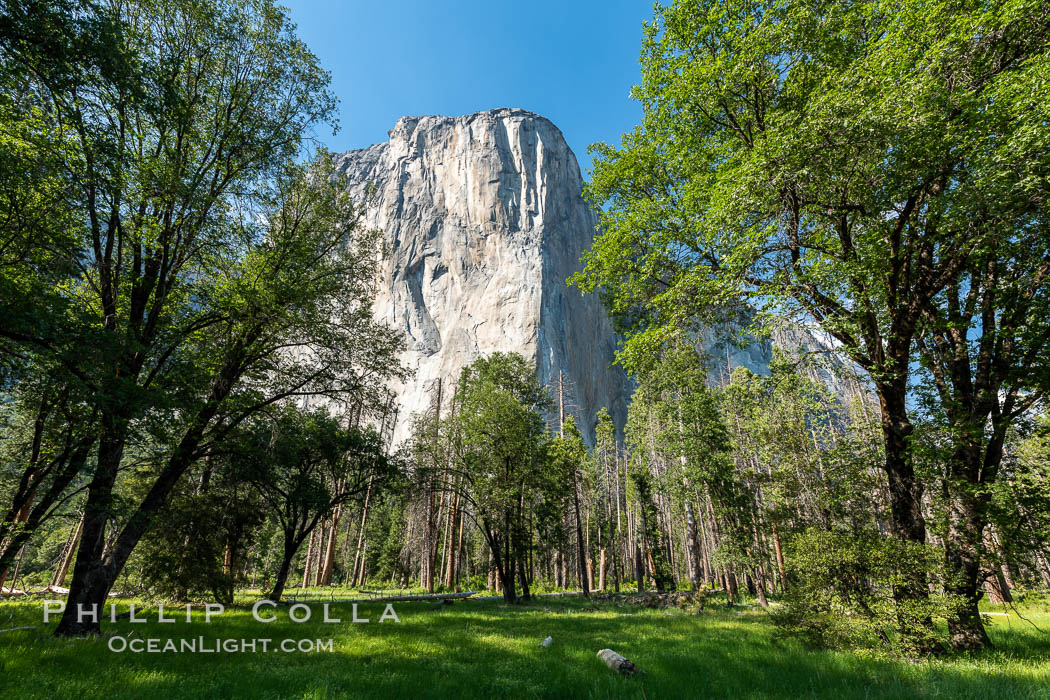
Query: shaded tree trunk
x=963, y=553
x=639, y=566
x=582, y=552
x=912, y=592
x=92, y=578
x=692, y=546
x=279, y=582
x=96, y=569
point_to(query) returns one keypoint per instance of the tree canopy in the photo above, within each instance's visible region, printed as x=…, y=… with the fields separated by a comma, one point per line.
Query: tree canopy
x=867, y=167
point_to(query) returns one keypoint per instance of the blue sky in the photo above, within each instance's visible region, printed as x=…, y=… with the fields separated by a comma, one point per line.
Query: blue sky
x=572, y=61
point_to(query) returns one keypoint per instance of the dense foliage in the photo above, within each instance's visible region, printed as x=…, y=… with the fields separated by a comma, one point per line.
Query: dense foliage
x=197, y=268
x=878, y=170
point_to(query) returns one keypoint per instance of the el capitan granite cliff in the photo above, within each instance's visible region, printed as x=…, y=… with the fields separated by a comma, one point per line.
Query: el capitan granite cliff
x=483, y=222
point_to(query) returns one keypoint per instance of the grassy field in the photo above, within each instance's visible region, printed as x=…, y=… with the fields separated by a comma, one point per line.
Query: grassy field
x=487, y=649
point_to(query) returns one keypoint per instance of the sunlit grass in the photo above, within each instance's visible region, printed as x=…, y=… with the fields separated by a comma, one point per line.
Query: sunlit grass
x=487, y=649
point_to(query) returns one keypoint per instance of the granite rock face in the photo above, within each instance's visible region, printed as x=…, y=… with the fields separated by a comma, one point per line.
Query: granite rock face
x=729, y=347
x=483, y=221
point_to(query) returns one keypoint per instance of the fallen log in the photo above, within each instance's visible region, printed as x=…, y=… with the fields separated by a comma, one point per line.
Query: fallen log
x=52, y=589
x=619, y=663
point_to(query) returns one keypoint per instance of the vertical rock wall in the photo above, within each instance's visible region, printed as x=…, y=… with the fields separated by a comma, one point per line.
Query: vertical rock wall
x=484, y=221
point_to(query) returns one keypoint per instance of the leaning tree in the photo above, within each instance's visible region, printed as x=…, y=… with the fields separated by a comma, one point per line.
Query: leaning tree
x=305, y=464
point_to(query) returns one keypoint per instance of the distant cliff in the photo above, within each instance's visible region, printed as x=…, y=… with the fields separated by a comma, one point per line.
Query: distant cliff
x=484, y=221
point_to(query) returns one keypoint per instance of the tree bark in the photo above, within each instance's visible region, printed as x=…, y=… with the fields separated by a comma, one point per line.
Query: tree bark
x=780, y=557
x=308, y=562
x=359, y=564
x=639, y=567
x=760, y=586
x=692, y=546
x=490, y=584
x=582, y=552
x=450, y=544
x=67, y=556
x=601, y=569
x=963, y=545
x=458, y=560
x=732, y=590
x=92, y=578
x=282, y=571
x=526, y=594
x=912, y=593
x=329, y=551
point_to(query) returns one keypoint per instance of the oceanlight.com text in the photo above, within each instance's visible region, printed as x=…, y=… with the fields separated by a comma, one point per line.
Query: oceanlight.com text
x=200, y=645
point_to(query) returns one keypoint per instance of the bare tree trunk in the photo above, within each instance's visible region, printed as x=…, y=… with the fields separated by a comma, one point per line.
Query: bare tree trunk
x=760, y=586
x=780, y=556
x=308, y=564
x=458, y=559
x=998, y=585
x=318, y=554
x=601, y=569
x=639, y=566
x=359, y=555
x=426, y=575
x=67, y=556
x=582, y=557
x=227, y=558
x=450, y=548
x=491, y=583
x=526, y=594
x=668, y=537
x=731, y=586
x=706, y=545
x=963, y=558
x=345, y=556
x=996, y=588
x=18, y=567
x=328, y=551
x=283, y=571
x=361, y=576
x=692, y=545
x=616, y=538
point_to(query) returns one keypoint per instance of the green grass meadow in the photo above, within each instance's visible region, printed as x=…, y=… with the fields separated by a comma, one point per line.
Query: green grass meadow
x=485, y=649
